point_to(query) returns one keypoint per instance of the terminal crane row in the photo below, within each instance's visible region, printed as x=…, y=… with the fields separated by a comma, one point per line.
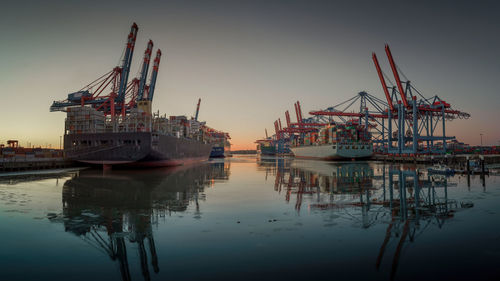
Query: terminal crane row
x=406, y=122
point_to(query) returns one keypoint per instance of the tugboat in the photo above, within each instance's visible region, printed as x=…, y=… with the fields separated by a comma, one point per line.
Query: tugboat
x=441, y=170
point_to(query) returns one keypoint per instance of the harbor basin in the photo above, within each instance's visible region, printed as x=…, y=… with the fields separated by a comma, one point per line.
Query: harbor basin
x=251, y=218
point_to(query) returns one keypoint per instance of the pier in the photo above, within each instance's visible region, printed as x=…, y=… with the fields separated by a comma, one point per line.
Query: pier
x=430, y=159
x=13, y=164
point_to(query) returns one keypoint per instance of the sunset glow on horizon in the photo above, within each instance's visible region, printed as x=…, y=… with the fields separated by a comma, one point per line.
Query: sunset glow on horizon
x=249, y=61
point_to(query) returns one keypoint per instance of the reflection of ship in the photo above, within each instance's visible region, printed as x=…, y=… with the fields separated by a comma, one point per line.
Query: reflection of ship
x=318, y=180
x=335, y=169
x=406, y=200
x=117, y=209
x=220, y=171
x=271, y=164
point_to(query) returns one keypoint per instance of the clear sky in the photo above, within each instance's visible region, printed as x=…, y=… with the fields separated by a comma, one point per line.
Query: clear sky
x=249, y=61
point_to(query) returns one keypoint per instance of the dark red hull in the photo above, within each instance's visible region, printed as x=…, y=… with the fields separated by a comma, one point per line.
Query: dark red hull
x=134, y=149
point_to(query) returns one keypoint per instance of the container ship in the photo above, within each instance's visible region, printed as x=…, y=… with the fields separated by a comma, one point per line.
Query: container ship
x=335, y=142
x=266, y=147
x=221, y=145
x=140, y=139
x=110, y=121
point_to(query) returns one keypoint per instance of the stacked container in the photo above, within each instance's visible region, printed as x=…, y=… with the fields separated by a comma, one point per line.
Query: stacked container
x=84, y=120
x=350, y=132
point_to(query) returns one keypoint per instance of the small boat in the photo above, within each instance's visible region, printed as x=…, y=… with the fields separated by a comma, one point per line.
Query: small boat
x=475, y=168
x=441, y=169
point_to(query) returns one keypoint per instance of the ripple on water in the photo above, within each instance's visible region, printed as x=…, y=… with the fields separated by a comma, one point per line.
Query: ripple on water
x=16, y=211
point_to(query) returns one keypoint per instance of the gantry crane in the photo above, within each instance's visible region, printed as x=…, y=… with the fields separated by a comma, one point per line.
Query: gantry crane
x=136, y=88
x=296, y=130
x=403, y=122
x=107, y=92
x=414, y=116
x=112, y=93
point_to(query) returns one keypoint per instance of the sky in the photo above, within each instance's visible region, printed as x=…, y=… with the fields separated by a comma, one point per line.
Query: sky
x=249, y=61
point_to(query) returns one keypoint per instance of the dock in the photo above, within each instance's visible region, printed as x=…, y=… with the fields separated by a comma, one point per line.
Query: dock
x=13, y=164
x=430, y=159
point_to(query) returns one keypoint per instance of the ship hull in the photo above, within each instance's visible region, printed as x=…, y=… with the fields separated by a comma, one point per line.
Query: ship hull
x=217, y=152
x=267, y=150
x=134, y=149
x=333, y=152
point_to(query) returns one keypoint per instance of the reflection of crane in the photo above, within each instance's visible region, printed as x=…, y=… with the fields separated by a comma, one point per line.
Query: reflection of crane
x=110, y=212
x=417, y=203
x=346, y=178
x=142, y=231
x=137, y=229
x=411, y=200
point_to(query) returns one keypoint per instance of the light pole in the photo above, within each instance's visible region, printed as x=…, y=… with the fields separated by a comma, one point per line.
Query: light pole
x=60, y=141
x=481, y=143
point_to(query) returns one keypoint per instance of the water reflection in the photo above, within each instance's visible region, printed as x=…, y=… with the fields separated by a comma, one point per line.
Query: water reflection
x=110, y=210
x=407, y=199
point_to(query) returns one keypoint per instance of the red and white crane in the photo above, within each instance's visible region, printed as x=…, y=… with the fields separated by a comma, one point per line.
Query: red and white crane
x=111, y=93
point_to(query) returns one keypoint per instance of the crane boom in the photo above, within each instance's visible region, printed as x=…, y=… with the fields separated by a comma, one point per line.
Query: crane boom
x=288, y=122
x=154, y=74
x=127, y=60
x=197, y=110
x=297, y=113
x=144, y=71
x=382, y=80
x=396, y=75
x=277, y=130
x=300, y=111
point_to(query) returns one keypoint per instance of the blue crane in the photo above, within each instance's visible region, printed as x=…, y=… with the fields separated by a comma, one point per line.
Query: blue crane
x=127, y=61
x=144, y=71
x=154, y=74
x=107, y=92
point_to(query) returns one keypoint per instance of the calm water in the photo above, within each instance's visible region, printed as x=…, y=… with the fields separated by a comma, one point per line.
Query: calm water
x=251, y=219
